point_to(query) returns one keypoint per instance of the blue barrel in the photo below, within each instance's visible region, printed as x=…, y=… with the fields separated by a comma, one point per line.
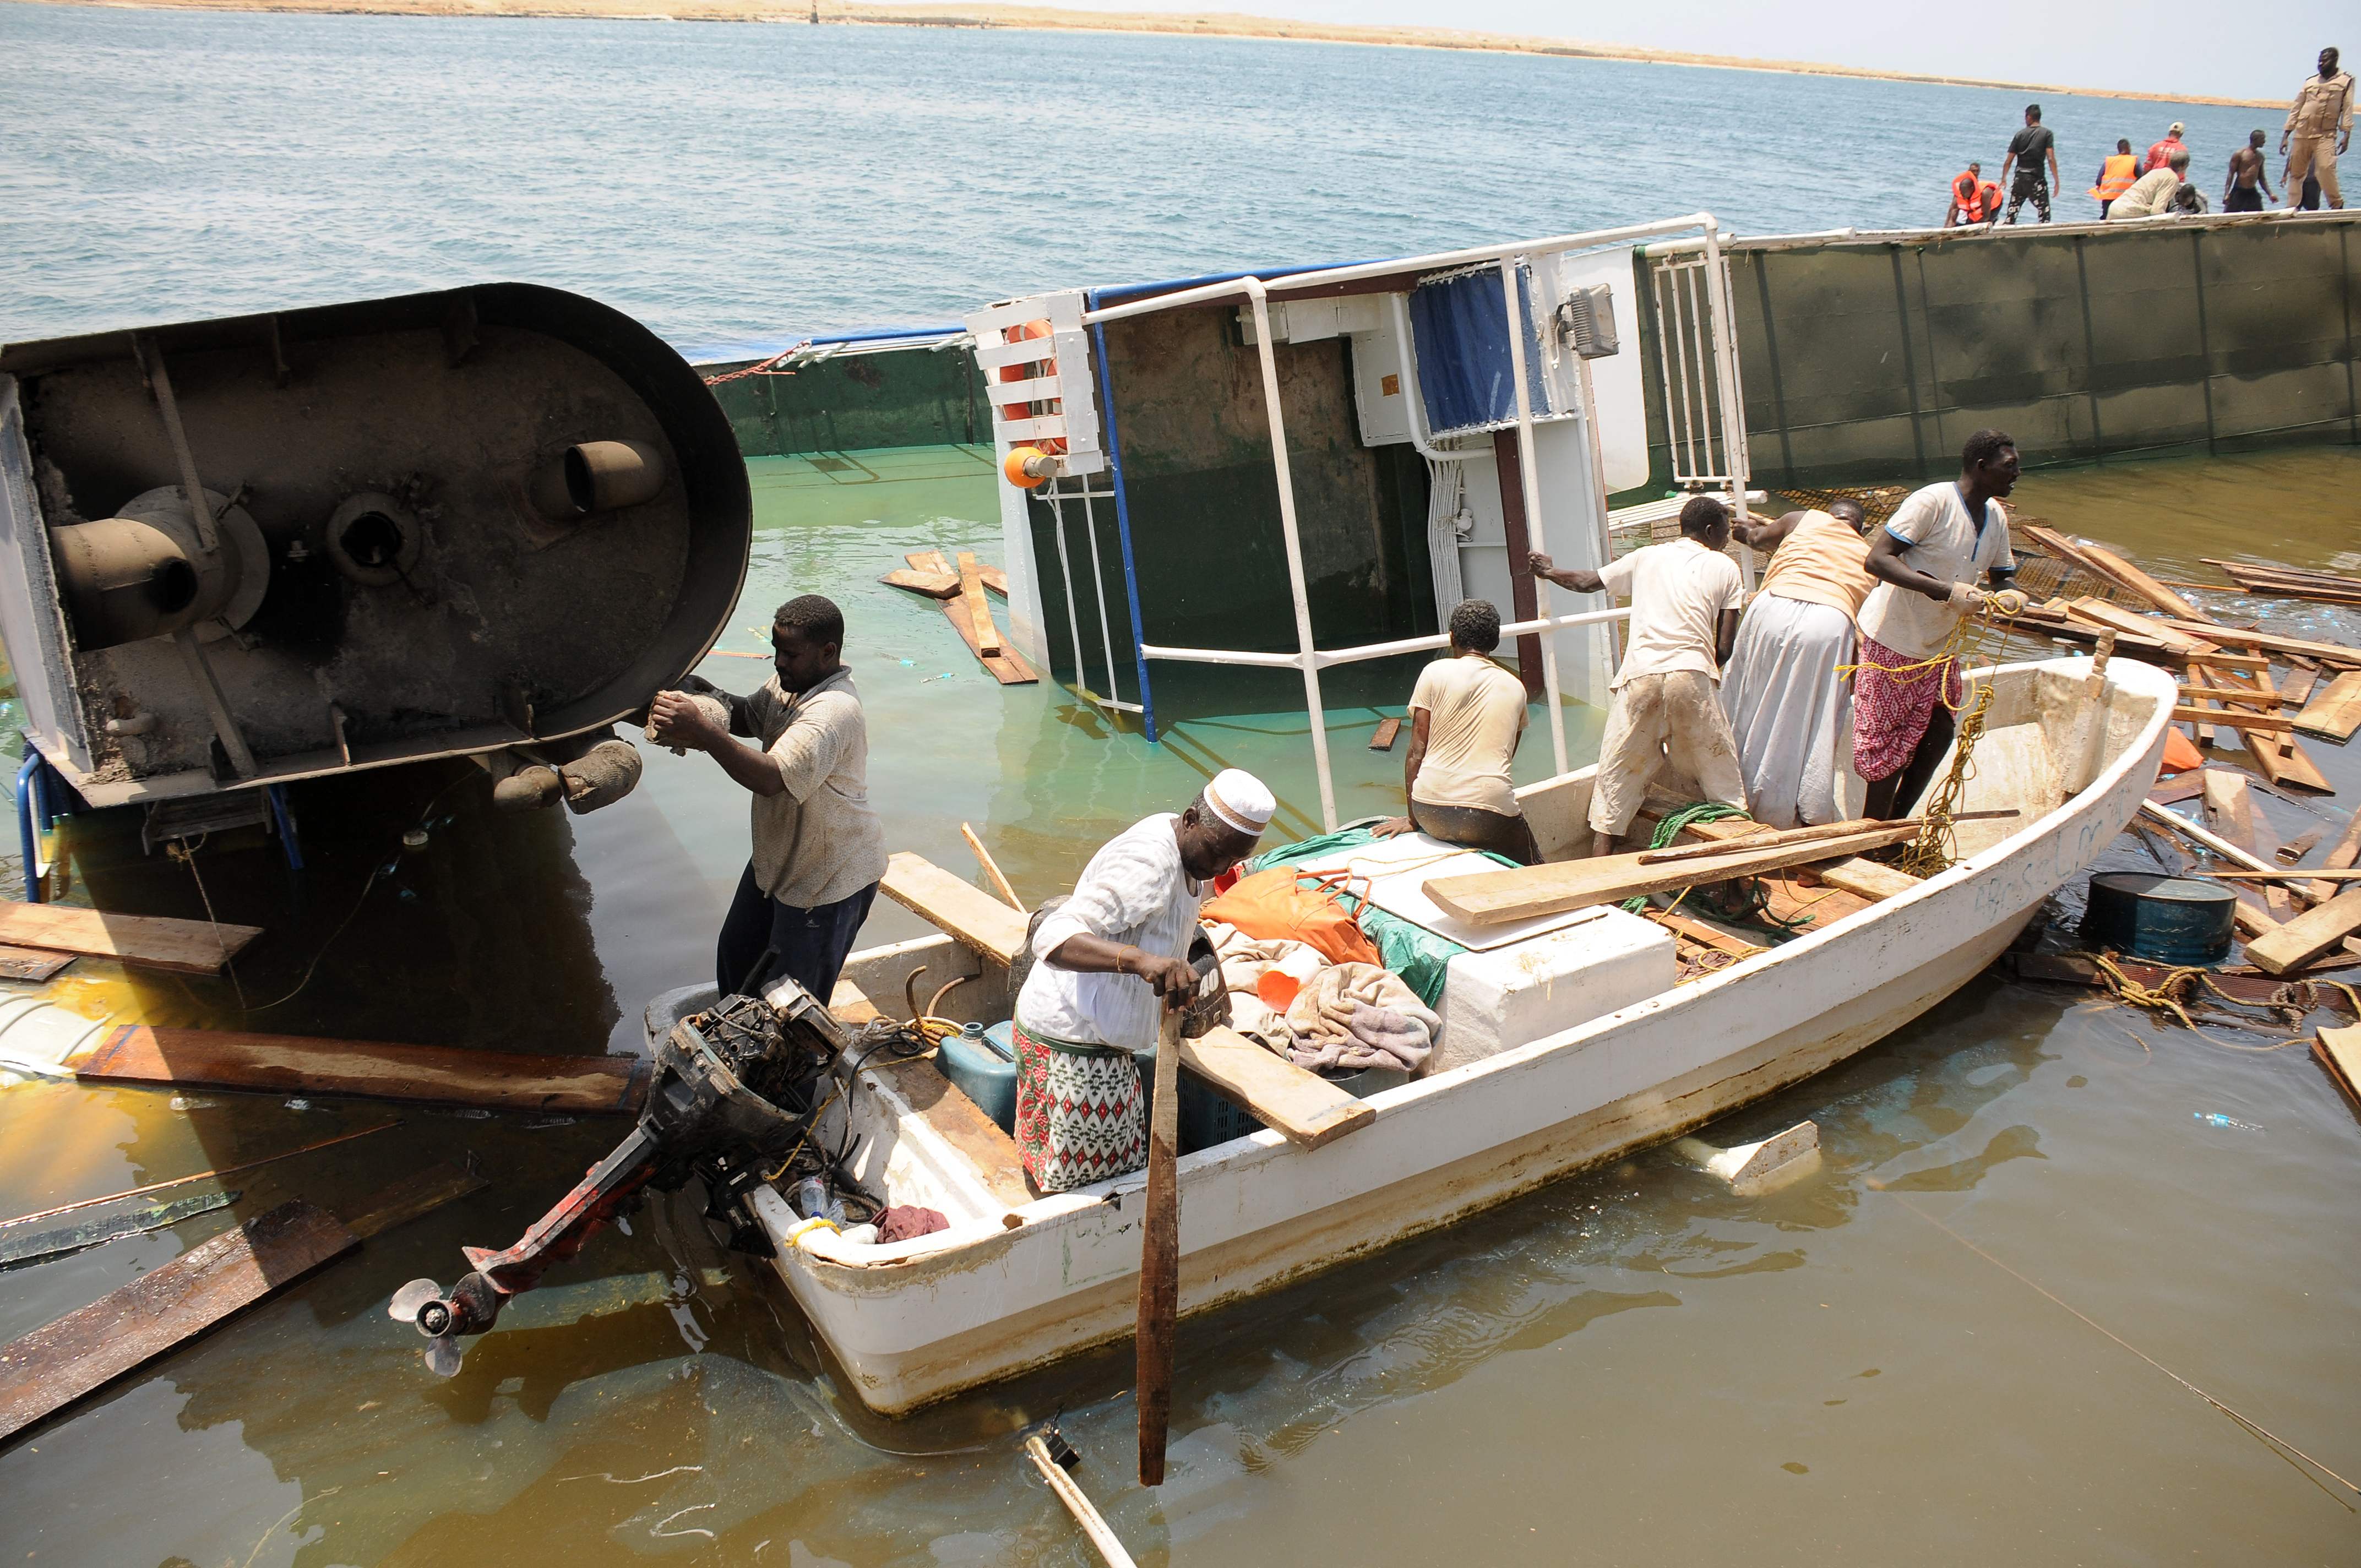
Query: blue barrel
x=2164, y=919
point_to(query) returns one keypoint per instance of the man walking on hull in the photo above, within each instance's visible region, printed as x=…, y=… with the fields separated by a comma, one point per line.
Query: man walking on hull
x=1686, y=597
x=2249, y=186
x=2319, y=128
x=1928, y=561
x=2026, y=151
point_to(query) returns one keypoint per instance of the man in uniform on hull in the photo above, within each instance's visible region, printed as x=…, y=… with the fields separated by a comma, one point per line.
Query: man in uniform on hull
x=1927, y=560
x=1685, y=597
x=1790, y=707
x=2319, y=128
x=2026, y=151
x=1106, y=961
x=1466, y=717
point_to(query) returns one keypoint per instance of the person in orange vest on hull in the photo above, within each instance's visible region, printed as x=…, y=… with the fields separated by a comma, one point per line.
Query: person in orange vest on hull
x=2115, y=175
x=1968, y=205
x=2160, y=153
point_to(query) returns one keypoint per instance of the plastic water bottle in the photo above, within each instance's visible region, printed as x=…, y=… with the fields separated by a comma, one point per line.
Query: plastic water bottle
x=813, y=1201
x=2215, y=1119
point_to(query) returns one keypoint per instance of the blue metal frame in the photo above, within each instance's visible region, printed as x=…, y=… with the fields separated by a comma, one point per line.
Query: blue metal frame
x=1121, y=522
x=274, y=797
x=27, y=784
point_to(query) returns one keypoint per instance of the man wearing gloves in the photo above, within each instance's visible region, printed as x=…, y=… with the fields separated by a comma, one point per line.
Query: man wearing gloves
x=1928, y=560
x=1106, y=961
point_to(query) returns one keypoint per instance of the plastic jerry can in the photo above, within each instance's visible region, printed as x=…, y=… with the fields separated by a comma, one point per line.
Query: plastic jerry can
x=981, y=1064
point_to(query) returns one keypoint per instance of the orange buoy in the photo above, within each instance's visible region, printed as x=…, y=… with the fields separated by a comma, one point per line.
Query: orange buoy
x=1028, y=468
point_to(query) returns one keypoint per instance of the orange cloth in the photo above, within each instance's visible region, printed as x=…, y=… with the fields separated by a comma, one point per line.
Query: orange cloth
x=1269, y=906
x=1822, y=562
x=2181, y=753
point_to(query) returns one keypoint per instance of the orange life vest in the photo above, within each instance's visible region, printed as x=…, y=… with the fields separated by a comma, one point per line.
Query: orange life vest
x=2115, y=176
x=1967, y=197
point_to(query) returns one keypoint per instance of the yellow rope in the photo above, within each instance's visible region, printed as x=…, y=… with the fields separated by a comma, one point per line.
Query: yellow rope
x=1936, y=846
x=2164, y=998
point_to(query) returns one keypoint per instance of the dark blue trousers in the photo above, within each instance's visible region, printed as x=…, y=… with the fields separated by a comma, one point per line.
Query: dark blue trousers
x=812, y=943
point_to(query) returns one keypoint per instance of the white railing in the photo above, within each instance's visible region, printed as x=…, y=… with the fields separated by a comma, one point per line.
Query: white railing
x=1311, y=659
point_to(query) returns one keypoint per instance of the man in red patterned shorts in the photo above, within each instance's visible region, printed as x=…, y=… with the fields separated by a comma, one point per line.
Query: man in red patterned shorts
x=1927, y=560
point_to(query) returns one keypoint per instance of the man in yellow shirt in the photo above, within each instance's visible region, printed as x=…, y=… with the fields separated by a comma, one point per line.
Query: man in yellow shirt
x=1467, y=716
x=1790, y=709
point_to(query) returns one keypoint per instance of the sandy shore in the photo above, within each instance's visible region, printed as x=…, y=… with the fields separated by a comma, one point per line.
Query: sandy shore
x=1046, y=18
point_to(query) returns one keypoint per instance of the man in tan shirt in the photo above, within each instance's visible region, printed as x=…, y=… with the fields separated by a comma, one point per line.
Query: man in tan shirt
x=1790, y=710
x=2319, y=127
x=1467, y=716
x=819, y=850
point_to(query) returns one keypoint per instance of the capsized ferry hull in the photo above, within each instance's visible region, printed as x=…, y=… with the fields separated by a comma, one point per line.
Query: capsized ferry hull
x=1012, y=1288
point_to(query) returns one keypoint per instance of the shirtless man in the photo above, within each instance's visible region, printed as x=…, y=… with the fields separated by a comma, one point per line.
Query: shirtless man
x=2248, y=187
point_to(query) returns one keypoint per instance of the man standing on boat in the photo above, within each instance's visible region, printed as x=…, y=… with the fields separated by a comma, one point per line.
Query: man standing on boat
x=2115, y=175
x=1467, y=716
x=1106, y=961
x=2160, y=153
x=1685, y=597
x=2249, y=186
x=1928, y=560
x=819, y=850
x=1790, y=707
x=2026, y=150
x=2319, y=128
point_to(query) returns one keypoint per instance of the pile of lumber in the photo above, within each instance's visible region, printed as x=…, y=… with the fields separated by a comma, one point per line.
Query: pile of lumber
x=2287, y=582
x=958, y=589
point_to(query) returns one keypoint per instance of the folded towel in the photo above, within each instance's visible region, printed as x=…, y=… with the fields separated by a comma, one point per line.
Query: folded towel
x=1351, y=1016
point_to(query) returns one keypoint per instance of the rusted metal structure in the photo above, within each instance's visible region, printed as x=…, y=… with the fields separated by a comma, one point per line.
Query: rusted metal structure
x=490, y=522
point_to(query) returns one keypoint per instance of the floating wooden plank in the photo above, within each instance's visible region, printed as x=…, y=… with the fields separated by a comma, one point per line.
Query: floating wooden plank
x=195, y=1176
x=1305, y=1107
x=2339, y=1051
x=2346, y=874
x=31, y=963
x=2262, y=700
x=296, y=1064
x=1006, y=666
x=2123, y=572
x=934, y=585
x=2104, y=615
x=1521, y=892
x=2229, y=718
x=152, y=941
x=1383, y=741
x=2336, y=712
x=2341, y=854
x=419, y=1192
x=2295, y=686
x=80, y=1353
x=978, y=611
x=2334, y=654
x=19, y=1247
x=966, y=912
x=2230, y=812
x=2172, y=792
x=2307, y=936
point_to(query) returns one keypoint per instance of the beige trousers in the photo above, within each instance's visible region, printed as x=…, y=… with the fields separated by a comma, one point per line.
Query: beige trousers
x=2315, y=156
x=1673, y=718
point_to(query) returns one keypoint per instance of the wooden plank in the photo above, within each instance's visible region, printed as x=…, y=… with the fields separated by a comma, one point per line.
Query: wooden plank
x=184, y=946
x=31, y=963
x=1702, y=934
x=2346, y=874
x=2230, y=812
x=2101, y=613
x=2334, y=654
x=1489, y=897
x=1007, y=667
x=1383, y=741
x=2336, y=712
x=2339, y=1051
x=2130, y=576
x=2307, y=936
x=54, y=1366
x=296, y=1064
x=986, y=640
x=1866, y=881
x=2295, y=686
x=966, y=912
x=2261, y=699
x=2341, y=854
x=419, y=1192
x=932, y=562
x=2172, y=792
x=2290, y=573
x=1308, y=1109
x=934, y=585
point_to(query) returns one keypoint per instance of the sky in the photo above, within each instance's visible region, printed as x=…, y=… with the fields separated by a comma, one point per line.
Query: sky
x=2069, y=43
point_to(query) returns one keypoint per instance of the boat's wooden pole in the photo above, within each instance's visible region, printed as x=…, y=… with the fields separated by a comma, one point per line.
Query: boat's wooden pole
x=992, y=868
x=1077, y=1504
x=1159, y=1256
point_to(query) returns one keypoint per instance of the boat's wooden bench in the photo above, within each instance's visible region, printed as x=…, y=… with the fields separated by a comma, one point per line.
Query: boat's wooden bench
x=1302, y=1106
x=1823, y=894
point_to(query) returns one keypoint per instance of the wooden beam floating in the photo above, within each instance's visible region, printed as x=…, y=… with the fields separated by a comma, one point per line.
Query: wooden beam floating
x=151, y=941
x=2307, y=936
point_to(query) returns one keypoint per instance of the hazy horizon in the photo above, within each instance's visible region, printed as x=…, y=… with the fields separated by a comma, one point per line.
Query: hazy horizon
x=2070, y=44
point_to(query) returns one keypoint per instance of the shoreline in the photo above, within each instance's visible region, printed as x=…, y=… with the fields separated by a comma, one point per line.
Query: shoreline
x=1032, y=18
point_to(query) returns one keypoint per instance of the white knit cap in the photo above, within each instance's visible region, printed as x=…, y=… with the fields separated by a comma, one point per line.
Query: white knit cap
x=1240, y=799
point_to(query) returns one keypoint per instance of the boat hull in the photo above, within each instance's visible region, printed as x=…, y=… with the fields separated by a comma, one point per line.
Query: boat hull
x=993, y=1297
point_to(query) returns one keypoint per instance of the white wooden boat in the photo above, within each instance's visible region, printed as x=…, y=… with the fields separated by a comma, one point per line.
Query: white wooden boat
x=1018, y=1281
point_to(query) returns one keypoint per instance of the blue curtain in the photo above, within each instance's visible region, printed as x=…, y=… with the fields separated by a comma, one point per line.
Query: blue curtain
x=1459, y=328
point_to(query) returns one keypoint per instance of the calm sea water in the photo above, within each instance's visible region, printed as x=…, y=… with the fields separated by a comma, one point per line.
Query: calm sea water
x=737, y=184
x=1630, y=1366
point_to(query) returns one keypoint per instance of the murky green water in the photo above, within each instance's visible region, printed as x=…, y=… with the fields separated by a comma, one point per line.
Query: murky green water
x=1932, y=1350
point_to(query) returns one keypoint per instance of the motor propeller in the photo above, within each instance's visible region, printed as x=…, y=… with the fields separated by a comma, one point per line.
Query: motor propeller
x=423, y=1305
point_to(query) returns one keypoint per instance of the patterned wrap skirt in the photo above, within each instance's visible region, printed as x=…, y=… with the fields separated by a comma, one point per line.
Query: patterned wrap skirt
x=1889, y=716
x=1081, y=1114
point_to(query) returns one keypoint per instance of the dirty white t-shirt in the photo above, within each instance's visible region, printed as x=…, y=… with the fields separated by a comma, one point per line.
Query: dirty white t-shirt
x=817, y=841
x=1476, y=712
x=1678, y=590
x=1945, y=544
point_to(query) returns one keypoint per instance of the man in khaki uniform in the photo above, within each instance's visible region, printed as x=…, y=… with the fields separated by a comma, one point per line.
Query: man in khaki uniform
x=2319, y=127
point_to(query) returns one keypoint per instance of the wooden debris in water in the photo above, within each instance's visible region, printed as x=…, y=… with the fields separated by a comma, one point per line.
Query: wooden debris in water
x=35, y=1245
x=31, y=963
x=1102, y=1539
x=1383, y=741
x=185, y=946
x=2339, y=1051
x=1004, y=663
x=2336, y=712
x=2230, y=812
x=2308, y=936
x=2290, y=582
x=2341, y=854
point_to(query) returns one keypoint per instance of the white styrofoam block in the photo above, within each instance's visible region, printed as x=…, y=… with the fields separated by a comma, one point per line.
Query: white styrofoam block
x=1496, y=1000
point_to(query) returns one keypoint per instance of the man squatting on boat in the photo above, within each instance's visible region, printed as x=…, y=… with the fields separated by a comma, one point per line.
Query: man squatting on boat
x=1685, y=597
x=1104, y=961
x=819, y=850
